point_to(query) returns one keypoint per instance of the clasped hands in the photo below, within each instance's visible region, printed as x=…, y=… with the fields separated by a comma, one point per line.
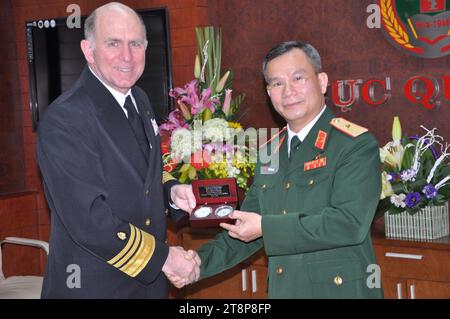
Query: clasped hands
x=182, y=267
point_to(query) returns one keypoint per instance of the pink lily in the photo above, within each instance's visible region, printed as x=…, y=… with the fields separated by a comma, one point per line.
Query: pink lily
x=174, y=121
x=227, y=102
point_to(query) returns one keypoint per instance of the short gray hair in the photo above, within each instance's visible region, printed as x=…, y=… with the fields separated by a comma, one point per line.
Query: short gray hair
x=89, y=25
x=284, y=47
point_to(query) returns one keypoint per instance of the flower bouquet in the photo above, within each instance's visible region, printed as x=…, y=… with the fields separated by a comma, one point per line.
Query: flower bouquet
x=415, y=185
x=201, y=138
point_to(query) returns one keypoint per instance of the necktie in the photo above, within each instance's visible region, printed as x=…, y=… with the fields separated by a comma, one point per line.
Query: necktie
x=295, y=144
x=138, y=126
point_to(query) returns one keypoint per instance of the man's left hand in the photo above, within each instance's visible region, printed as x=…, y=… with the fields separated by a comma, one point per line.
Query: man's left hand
x=183, y=197
x=247, y=227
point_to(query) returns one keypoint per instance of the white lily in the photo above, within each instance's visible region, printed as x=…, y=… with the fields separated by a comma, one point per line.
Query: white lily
x=386, y=187
x=396, y=130
x=392, y=154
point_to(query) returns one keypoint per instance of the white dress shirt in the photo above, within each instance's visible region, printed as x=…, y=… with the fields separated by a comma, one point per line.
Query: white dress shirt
x=119, y=96
x=304, y=131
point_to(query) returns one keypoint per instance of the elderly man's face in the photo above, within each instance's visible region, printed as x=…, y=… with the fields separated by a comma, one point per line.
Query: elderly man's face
x=295, y=89
x=119, y=54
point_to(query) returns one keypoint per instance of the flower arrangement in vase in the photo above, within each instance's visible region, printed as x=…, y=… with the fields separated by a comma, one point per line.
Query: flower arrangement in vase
x=199, y=138
x=415, y=184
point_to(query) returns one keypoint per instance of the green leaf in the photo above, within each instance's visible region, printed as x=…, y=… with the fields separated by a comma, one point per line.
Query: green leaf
x=184, y=177
x=427, y=161
x=408, y=158
x=398, y=188
x=445, y=191
x=185, y=167
x=192, y=174
x=442, y=172
x=236, y=102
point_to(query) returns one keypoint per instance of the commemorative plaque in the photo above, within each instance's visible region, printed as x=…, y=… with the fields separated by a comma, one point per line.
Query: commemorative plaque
x=216, y=200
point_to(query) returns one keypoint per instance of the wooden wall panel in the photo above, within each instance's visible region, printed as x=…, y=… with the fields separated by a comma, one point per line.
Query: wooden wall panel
x=349, y=50
x=12, y=167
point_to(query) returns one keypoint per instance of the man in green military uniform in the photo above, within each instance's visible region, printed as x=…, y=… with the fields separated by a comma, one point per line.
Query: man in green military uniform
x=312, y=214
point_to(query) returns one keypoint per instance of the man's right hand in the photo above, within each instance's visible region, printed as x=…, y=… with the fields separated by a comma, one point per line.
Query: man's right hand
x=182, y=267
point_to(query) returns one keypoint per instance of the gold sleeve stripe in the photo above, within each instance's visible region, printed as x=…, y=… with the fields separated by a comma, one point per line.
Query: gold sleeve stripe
x=131, y=252
x=167, y=177
x=143, y=255
x=126, y=248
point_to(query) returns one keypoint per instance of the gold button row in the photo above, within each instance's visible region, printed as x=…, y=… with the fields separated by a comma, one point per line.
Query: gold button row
x=288, y=184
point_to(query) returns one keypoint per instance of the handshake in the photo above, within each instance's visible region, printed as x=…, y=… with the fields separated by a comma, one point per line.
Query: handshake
x=182, y=267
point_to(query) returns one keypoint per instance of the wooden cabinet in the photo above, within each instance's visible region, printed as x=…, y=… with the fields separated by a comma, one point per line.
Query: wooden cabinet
x=411, y=269
x=244, y=281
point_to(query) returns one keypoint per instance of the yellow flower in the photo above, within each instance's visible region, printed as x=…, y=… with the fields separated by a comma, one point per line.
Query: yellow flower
x=234, y=125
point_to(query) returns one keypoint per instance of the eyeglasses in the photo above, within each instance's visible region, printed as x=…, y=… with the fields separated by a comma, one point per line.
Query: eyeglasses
x=297, y=81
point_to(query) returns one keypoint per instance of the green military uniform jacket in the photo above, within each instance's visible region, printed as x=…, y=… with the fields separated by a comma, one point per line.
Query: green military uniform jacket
x=315, y=218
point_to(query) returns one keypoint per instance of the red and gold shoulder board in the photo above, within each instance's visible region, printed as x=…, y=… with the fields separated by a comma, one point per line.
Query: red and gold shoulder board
x=348, y=127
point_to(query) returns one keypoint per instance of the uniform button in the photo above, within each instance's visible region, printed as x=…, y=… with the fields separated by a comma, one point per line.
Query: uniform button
x=264, y=186
x=279, y=271
x=288, y=185
x=148, y=221
x=311, y=182
x=148, y=113
x=283, y=212
x=166, y=211
x=121, y=235
x=147, y=192
x=338, y=281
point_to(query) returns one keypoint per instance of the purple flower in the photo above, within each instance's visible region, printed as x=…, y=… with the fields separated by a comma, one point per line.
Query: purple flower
x=393, y=177
x=430, y=191
x=412, y=199
x=408, y=175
